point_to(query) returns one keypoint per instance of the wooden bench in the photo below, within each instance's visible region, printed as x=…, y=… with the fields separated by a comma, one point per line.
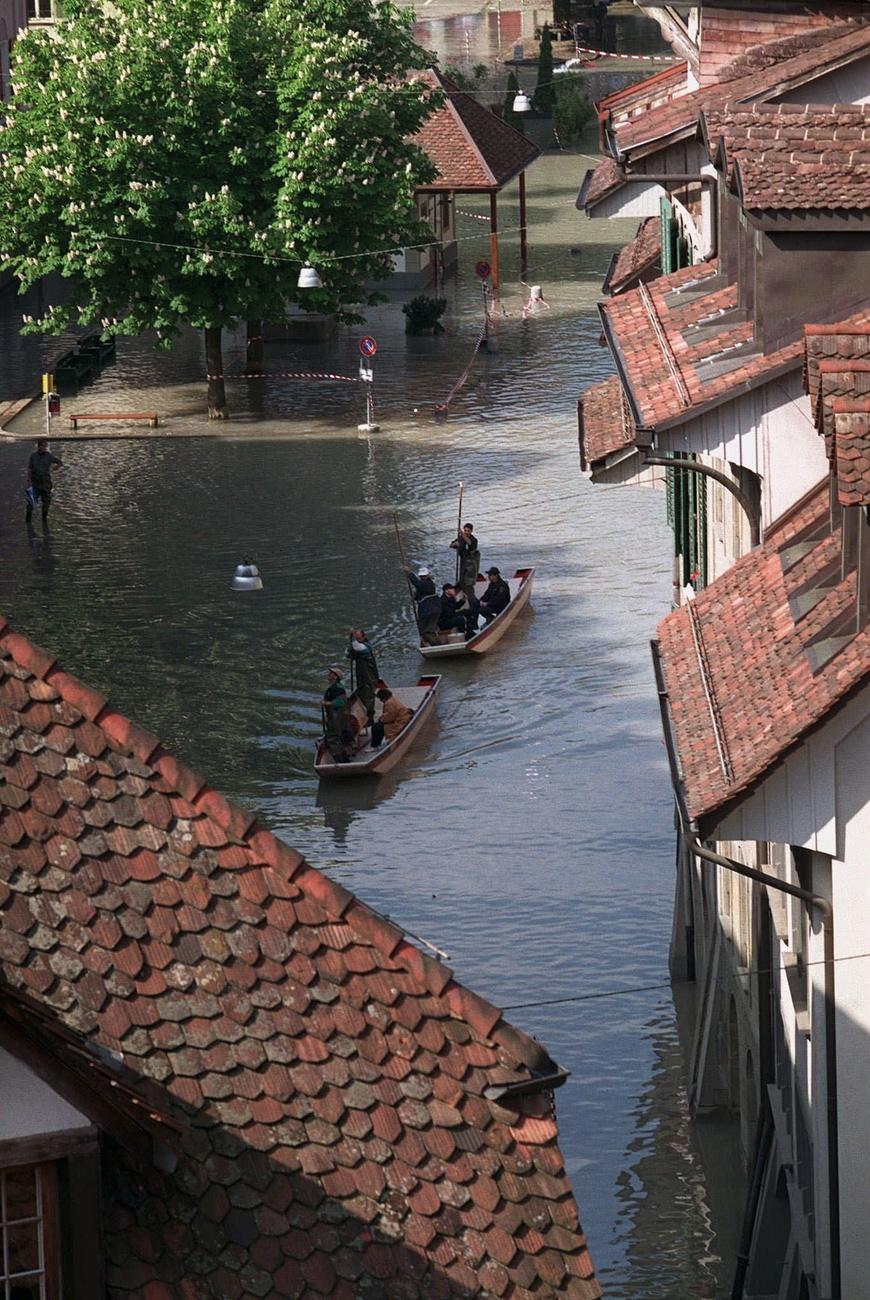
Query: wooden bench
x=150, y=416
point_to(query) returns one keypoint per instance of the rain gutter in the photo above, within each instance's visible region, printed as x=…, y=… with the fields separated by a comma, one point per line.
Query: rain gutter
x=689, y=832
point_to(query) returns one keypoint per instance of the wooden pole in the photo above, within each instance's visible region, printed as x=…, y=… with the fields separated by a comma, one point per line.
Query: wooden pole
x=458, y=534
x=493, y=244
x=402, y=558
x=524, y=245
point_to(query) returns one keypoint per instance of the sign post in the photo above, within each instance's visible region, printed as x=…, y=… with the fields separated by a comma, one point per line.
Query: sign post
x=52, y=401
x=368, y=348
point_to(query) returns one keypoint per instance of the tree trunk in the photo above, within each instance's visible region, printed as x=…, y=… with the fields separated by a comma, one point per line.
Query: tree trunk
x=214, y=365
x=255, y=347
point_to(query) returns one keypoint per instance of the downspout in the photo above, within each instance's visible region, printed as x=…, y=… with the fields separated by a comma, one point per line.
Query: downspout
x=689, y=832
x=682, y=462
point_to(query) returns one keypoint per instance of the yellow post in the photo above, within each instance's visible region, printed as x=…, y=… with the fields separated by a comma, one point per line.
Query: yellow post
x=47, y=383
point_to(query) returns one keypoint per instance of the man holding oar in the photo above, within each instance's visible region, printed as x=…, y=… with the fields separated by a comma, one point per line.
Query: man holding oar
x=468, y=567
x=362, y=658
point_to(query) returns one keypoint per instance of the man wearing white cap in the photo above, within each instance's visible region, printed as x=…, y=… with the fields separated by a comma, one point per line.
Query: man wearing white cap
x=428, y=604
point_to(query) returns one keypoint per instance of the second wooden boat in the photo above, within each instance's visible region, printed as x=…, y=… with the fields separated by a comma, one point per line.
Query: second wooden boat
x=374, y=762
x=483, y=640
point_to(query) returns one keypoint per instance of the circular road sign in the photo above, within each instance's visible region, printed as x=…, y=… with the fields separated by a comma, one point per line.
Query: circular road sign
x=483, y=269
x=368, y=346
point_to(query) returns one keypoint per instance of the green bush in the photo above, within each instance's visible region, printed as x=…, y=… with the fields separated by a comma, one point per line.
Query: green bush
x=424, y=314
x=573, y=108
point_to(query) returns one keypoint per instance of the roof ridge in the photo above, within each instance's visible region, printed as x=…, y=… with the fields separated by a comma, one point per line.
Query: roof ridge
x=242, y=826
x=710, y=693
x=663, y=342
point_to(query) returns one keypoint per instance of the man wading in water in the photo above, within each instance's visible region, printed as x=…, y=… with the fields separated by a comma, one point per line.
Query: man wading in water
x=39, y=484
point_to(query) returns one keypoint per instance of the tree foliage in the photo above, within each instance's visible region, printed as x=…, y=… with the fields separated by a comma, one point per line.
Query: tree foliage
x=573, y=108
x=178, y=162
x=545, y=90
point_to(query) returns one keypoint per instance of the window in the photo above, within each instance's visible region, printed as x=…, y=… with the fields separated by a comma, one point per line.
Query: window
x=40, y=9
x=28, y=1228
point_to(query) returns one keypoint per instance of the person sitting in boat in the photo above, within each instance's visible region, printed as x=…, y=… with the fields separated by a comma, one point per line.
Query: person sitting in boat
x=496, y=597
x=394, y=718
x=469, y=561
x=336, y=717
x=428, y=604
x=362, y=658
x=454, y=609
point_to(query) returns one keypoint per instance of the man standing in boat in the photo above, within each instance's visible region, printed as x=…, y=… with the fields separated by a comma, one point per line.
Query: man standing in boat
x=336, y=716
x=496, y=597
x=469, y=561
x=428, y=604
x=362, y=658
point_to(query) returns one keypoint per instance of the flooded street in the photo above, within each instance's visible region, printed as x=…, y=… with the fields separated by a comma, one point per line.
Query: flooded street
x=530, y=834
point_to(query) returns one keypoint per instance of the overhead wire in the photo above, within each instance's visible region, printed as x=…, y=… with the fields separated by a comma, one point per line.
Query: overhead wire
x=667, y=984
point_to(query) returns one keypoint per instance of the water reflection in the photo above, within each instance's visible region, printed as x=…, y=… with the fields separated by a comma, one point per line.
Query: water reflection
x=530, y=835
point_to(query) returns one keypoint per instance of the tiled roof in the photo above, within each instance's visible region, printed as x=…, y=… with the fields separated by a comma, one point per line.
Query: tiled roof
x=799, y=137
x=603, y=422
x=760, y=74
x=640, y=256
x=727, y=33
x=641, y=96
x=852, y=450
x=674, y=359
x=471, y=147
x=599, y=181
x=346, y=1133
x=845, y=341
x=741, y=686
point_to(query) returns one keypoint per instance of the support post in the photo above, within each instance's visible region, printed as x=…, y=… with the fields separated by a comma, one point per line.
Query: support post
x=493, y=245
x=524, y=243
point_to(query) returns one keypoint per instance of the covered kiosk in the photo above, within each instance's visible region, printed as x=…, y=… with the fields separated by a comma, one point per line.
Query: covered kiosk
x=475, y=152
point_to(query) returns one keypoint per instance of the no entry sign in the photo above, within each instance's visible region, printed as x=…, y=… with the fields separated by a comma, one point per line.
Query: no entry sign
x=368, y=346
x=483, y=269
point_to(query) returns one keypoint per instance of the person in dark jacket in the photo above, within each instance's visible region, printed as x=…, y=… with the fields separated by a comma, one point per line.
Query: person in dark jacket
x=362, y=657
x=454, y=609
x=39, y=481
x=428, y=604
x=496, y=597
x=336, y=717
x=469, y=561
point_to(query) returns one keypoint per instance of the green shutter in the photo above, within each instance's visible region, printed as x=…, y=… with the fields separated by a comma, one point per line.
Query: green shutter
x=667, y=216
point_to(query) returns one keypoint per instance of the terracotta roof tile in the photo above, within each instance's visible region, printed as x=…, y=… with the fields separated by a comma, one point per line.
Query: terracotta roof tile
x=759, y=74
x=741, y=685
x=471, y=147
x=837, y=377
x=604, y=424
x=639, y=259
x=672, y=356
x=325, y=1073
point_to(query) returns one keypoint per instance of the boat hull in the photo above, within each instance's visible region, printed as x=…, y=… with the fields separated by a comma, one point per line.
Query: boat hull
x=487, y=637
x=375, y=762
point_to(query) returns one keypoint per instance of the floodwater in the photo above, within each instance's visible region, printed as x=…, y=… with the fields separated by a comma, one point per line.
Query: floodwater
x=529, y=835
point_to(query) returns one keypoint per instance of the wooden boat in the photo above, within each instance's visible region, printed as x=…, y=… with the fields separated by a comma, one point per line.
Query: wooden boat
x=374, y=762
x=521, y=588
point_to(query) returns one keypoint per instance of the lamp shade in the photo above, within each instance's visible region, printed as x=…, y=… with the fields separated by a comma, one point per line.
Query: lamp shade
x=246, y=577
x=522, y=103
x=308, y=278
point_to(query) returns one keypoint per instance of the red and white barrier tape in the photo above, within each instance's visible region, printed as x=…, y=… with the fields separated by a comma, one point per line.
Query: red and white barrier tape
x=441, y=407
x=286, y=374
x=641, y=58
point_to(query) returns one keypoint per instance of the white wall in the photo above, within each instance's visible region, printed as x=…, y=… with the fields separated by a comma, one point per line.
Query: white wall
x=769, y=431
x=28, y=1106
x=638, y=199
x=848, y=85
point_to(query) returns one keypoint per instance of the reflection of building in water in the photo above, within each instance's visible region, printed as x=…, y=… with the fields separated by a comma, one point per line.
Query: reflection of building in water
x=680, y=1184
